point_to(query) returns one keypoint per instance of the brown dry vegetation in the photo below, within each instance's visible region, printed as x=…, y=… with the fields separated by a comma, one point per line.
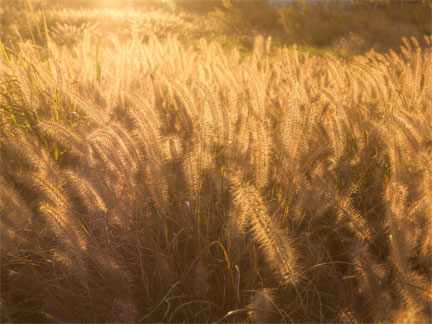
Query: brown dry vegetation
x=145, y=182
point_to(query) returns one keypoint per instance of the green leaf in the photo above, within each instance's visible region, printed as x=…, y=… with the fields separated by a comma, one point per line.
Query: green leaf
x=56, y=153
x=14, y=120
x=349, y=277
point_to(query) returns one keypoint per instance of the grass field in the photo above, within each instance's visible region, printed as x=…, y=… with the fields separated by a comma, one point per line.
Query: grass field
x=150, y=175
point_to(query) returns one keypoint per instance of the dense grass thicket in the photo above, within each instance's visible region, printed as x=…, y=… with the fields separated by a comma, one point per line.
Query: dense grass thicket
x=146, y=181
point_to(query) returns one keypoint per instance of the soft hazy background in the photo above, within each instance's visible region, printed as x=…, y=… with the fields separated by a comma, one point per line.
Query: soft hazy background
x=346, y=27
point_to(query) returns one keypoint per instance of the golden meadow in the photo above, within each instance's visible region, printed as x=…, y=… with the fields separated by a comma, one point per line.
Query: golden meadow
x=143, y=180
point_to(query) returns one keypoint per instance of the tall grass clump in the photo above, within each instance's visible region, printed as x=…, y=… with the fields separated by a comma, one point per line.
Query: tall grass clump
x=142, y=181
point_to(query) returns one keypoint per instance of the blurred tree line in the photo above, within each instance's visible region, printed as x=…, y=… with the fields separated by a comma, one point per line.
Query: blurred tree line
x=358, y=24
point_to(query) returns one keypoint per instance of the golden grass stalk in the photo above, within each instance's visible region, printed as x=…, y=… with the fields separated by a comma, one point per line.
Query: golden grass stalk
x=277, y=246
